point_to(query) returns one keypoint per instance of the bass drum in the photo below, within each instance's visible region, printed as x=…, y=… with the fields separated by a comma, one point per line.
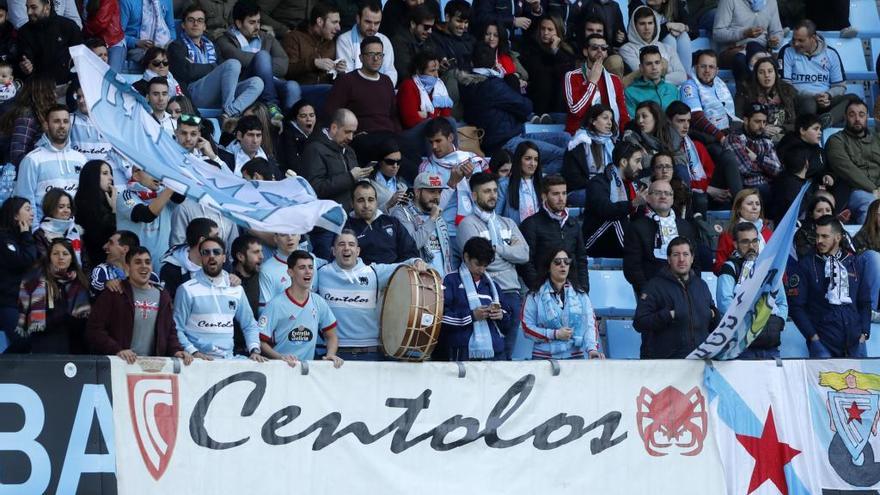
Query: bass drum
x=411, y=314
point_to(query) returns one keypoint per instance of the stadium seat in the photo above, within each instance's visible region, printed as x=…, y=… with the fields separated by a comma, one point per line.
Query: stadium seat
x=605, y=263
x=208, y=113
x=611, y=294
x=873, y=343
x=712, y=281
x=217, y=131
x=858, y=89
x=853, y=56
x=720, y=215
x=793, y=343
x=574, y=212
x=852, y=229
x=623, y=340
x=537, y=128
x=827, y=133
x=864, y=17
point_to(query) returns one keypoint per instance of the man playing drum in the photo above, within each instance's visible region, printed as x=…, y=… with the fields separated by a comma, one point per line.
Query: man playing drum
x=352, y=289
x=291, y=322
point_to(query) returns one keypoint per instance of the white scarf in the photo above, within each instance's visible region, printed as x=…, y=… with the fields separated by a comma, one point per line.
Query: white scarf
x=617, y=188
x=666, y=231
x=464, y=202
x=241, y=157
x=68, y=229
x=588, y=137
x=418, y=218
x=485, y=71
x=492, y=225
x=609, y=86
x=173, y=86
x=559, y=217
x=253, y=45
x=695, y=166
x=838, y=284
x=439, y=98
x=153, y=25
x=528, y=200
x=480, y=344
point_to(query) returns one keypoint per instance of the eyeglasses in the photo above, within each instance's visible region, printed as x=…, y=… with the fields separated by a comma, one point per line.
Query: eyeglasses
x=603, y=48
x=662, y=193
x=391, y=161
x=211, y=252
x=562, y=261
x=159, y=63
x=190, y=119
x=195, y=20
x=373, y=54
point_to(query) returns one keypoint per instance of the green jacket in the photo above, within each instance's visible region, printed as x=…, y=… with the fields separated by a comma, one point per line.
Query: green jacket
x=641, y=90
x=855, y=159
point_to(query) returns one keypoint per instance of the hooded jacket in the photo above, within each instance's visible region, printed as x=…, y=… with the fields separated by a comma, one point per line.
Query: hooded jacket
x=494, y=106
x=44, y=168
x=675, y=74
x=177, y=268
x=327, y=166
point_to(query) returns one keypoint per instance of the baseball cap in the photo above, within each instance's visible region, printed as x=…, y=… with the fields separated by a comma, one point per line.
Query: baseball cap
x=756, y=107
x=427, y=180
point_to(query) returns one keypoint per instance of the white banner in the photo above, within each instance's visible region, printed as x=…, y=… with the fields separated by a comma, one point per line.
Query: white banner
x=611, y=427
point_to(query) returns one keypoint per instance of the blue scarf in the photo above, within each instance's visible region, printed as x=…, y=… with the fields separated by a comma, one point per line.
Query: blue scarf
x=757, y=5
x=492, y=225
x=194, y=53
x=480, y=344
x=617, y=188
x=553, y=313
x=695, y=166
x=252, y=45
x=428, y=82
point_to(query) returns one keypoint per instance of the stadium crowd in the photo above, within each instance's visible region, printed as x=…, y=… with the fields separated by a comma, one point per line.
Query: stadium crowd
x=415, y=120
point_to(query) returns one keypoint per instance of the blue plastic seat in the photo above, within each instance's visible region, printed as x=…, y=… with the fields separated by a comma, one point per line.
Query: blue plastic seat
x=611, y=294
x=623, y=340
x=873, y=343
x=793, y=343
x=827, y=133
x=864, y=17
x=852, y=229
x=712, y=281
x=217, y=131
x=605, y=263
x=208, y=113
x=852, y=54
x=529, y=128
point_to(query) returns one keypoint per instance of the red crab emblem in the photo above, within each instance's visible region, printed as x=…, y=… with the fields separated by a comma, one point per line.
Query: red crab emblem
x=670, y=418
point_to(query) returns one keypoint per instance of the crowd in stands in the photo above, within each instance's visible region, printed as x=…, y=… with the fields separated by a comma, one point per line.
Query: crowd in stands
x=502, y=144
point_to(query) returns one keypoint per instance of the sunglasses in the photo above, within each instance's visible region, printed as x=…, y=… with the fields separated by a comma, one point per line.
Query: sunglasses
x=159, y=63
x=211, y=252
x=190, y=119
x=390, y=161
x=562, y=261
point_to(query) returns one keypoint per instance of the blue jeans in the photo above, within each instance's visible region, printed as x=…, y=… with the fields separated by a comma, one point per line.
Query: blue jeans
x=819, y=351
x=707, y=22
x=681, y=46
x=273, y=87
x=551, y=146
x=220, y=88
x=116, y=56
x=360, y=356
x=859, y=201
x=872, y=274
x=759, y=354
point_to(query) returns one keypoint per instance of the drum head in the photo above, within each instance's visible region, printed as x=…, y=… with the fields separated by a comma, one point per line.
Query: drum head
x=395, y=310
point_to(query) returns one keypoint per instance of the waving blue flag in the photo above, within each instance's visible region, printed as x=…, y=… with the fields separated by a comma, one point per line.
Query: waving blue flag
x=123, y=117
x=754, y=299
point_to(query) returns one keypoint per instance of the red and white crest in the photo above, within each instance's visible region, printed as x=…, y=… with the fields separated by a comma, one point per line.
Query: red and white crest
x=153, y=402
x=671, y=420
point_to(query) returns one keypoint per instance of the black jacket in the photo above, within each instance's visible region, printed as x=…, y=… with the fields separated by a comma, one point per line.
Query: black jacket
x=327, y=166
x=45, y=43
x=546, y=71
x=293, y=145
x=575, y=168
x=604, y=221
x=18, y=252
x=186, y=72
x=460, y=48
x=385, y=240
x=665, y=337
x=541, y=233
x=640, y=240
x=495, y=107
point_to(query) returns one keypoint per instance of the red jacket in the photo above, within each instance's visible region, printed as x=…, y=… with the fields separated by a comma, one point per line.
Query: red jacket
x=708, y=167
x=579, y=94
x=105, y=23
x=408, y=103
x=726, y=247
x=111, y=323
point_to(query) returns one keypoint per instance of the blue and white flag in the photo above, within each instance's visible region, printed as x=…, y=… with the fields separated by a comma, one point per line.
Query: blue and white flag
x=123, y=117
x=754, y=299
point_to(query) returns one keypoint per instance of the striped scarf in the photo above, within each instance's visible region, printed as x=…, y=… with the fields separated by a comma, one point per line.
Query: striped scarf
x=480, y=344
x=35, y=299
x=196, y=54
x=567, y=311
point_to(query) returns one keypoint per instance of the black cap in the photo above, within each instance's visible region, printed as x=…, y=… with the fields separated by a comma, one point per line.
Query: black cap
x=756, y=107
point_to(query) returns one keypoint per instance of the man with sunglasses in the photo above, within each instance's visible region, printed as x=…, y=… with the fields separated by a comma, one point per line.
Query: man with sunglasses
x=206, y=306
x=591, y=84
x=648, y=235
x=414, y=38
x=734, y=272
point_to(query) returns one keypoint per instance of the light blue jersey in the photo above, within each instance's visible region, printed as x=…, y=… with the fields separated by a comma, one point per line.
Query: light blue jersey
x=155, y=235
x=204, y=310
x=44, y=168
x=293, y=328
x=274, y=278
x=355, y=297
x=812, y=74
x=85, y=138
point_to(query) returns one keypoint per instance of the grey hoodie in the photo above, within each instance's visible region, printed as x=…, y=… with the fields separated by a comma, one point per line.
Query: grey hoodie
x=676, y=73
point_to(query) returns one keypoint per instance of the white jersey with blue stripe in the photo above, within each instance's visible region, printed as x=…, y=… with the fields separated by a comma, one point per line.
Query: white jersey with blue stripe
x=44, y=168
x=155, y=235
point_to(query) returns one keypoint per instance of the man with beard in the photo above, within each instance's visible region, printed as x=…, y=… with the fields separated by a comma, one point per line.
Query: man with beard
x=348, y=43
x=137, y=320
x=852, y=157
x=511, y=248
x=735, y=271
x=648, y=235
x=422, y=218
x=551, y=228
x=754, y=152
x=206, y=306
x=591, y=84
x=44, y=40
x=829, y=296
x=709, y=99
x=247, y=255
x=352, y=290
x=675, y=312
x=613, y=199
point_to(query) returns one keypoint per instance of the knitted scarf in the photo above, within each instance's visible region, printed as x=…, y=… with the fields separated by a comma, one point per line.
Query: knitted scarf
x=153, y=25
x=143, y=192
x=838, y=284
x=666, y=231
x=195, y=53
x=492, y=225
x=173, y=86
x=464, y=202
x=528, y=200
x=618, y=188
x=567, y=312
x=35, y=300
x=609, y=88
x=480, y=344
x=68, y=229
x=695, y=166
x=588, y=137
x=432, y=93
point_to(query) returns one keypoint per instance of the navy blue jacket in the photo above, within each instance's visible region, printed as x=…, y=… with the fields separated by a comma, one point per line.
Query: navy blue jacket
x=385, y=240
x=457, y=324
x=665, y=337
x=18, y=252
x=492, y=105
x=839, y=326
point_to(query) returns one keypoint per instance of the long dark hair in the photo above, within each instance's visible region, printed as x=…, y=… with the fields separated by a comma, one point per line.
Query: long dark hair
x=516, y=173
x=36, y=97
x=90, y=200
x=594, y=112
x=661, y=130
x=503, y=42
x=545, y=259
x=46, y=268
x=10, y=208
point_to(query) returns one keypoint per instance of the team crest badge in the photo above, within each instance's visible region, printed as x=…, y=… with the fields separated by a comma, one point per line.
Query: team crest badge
x=670, y=420
x=853, y=406
x=153, y=402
